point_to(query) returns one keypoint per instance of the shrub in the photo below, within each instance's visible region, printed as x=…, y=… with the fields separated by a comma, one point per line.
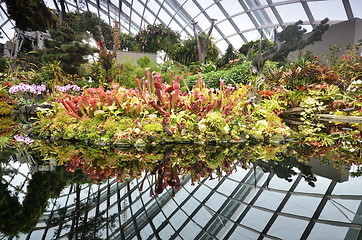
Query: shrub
x=237, y=74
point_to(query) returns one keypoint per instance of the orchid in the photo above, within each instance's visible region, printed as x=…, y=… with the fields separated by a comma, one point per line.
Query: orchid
x=35, y=89
x=67, y=88
x=25, y=139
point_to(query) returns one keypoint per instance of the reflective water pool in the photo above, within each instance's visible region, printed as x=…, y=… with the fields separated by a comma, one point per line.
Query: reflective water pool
x=254, y=203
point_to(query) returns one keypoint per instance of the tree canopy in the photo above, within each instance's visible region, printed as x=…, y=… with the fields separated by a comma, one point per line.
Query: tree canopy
x=292, y=38
x=187, y=52
x=67, y=47
x=30, y=15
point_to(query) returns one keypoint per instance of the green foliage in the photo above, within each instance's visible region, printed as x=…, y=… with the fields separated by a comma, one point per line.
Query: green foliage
x=106, y=59
x=253, y=46
x=30, y=15
x=292, y=38
x=5, y=109
x=124, y=73
x=187, y=52
x=22, y=218
x=157, y=37
x=237, y=74
x=229, y=55
x=208, y=67
x=53, y=73
x=83, y=22
x=67, y=47
x=144, y=62
x=4, y=64
x=349, y=65
x=125, y=41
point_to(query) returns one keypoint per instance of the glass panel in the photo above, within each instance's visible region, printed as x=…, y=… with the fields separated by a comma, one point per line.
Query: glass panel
x=149, y=17
x=351, y=187
x=205, y=4
x=178, y=219
x=51, y=233
x=37, y=234
x=180, y=20
x=115, y=2
x=239, y=174
x=263, y=2
x=201, y=193
x=191, y=9
x=215, y=35
x=281, y=184
x=166, y=232
x=215, y=201
x=158, y=220
x=321, y=186
x=113, y=210
x=270, y=200
x=146, y=231
x=153, y=5
x=243, y=233
x=137, y=20
x=169, y=208
x=301, y=205
x=262, y=17
x=236, y=41
x=228, y=187
x=180, y=196
x=279, y=1
x=175, y=26
x=215, y=12
x=126, y=10
x=294, y=230
x=319, y=232
x=356, y=8
x=269, y=15
x=238, y=211
x=190, y=205
x=203, y=216
x=164, y=16
x=212, y=182
x=50, y=4
x=296, y=9
x=71, y=7
x=227, y=28
x=232, y=7
x=256, y=219
x=190, y=231
x=322, y=10
x=203, y=22
x=341, y=210
x=167, y=7
x=255, y=3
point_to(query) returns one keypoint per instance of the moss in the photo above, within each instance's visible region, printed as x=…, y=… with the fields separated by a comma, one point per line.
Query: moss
x=5, y=109
x=153, y=127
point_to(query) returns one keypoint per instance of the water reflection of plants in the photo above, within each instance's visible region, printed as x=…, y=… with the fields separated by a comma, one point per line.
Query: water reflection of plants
x=165, y=164
x=169, y=163
x=17, y=217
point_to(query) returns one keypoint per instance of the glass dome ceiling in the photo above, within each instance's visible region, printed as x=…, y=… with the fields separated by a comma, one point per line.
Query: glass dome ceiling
x=237, y=21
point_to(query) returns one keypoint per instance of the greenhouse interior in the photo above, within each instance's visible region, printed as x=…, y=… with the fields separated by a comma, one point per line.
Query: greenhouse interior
x=181, y=119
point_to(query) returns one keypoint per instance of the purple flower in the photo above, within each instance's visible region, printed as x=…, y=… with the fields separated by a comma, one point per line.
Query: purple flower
x=26, y=139
x=14, y=89
x=35, y=89
x=76, y=88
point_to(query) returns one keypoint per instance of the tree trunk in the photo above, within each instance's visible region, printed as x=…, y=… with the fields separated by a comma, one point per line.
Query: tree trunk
x=63, y=14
